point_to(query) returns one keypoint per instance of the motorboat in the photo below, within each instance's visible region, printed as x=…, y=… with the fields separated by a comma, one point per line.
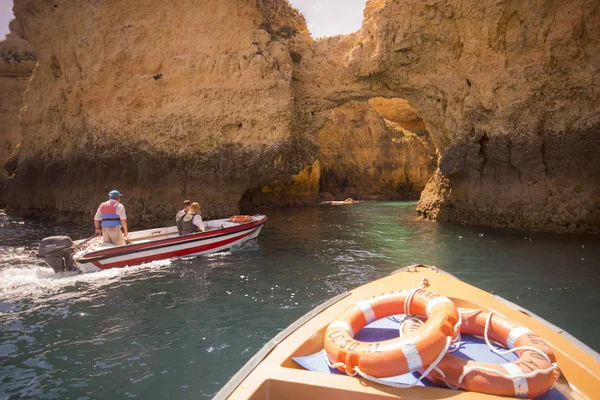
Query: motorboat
x=93, y=254
x=459, y=342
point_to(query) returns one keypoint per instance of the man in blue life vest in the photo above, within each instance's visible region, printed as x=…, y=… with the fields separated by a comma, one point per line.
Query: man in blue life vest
x=181, y=213
x=111, y=217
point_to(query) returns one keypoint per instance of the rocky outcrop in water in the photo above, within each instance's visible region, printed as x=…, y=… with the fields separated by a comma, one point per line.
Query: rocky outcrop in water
x=512, y=104
x=170, y=101
x=507, y=91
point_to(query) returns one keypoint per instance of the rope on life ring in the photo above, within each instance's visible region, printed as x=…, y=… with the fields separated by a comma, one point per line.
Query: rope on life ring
x=532, y=375
x=375, y=360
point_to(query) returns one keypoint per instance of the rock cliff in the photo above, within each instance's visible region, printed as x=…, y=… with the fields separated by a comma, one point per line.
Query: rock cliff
x=167, y=101
x=376, y=150
x=508, y=91
x=211, y=100
x=364, y=156
x=17, y=60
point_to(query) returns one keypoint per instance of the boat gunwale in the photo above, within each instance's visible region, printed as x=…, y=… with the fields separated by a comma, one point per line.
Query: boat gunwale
x=235, y=381
x=118, y=251
x=578, y=343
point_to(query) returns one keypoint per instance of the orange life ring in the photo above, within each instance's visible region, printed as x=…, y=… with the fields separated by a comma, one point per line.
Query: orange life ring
x=500, y=379
x=240, y=218
x=395, y=356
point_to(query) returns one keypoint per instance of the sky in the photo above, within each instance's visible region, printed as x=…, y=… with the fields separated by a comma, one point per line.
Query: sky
x=6, y=16
x=331, y=17
x=324, y=17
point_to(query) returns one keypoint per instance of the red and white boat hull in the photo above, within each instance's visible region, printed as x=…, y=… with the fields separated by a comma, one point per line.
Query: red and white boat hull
x=220, y=235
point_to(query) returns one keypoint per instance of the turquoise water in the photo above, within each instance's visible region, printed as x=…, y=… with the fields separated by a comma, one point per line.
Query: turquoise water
x=181, y=328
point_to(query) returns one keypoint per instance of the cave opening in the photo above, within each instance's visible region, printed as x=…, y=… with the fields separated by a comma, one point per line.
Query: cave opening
x=377, y=149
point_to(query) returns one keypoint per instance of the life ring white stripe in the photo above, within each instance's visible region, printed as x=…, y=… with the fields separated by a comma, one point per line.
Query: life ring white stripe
x=343, y=325
x=367, y=310
x=435, y=302
x=412, y=356
x=521, y=386
x=515, y=334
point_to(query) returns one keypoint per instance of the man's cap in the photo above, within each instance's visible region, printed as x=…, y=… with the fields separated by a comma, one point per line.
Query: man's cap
x=187, y=202
x=113, y=194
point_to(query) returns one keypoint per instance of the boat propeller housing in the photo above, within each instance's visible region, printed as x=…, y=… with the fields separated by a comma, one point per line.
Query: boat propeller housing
x=57, y=252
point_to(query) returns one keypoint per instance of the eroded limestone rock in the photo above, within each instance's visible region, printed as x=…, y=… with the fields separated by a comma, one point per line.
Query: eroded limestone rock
x=362, y=155
x=17, y=60
x=508, y=92
x=163, y=102
x=169, y=101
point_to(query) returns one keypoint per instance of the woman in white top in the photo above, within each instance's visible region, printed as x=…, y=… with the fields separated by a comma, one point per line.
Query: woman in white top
x=197, y=218
x=192, y=221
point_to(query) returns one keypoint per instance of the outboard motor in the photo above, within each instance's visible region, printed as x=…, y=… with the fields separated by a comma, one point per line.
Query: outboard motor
x=57, y=252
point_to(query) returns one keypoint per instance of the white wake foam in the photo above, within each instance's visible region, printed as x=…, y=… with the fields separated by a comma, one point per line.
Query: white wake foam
x=34, y=282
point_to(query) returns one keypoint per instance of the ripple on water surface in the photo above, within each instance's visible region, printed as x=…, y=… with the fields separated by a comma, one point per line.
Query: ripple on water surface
x=181, y=328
